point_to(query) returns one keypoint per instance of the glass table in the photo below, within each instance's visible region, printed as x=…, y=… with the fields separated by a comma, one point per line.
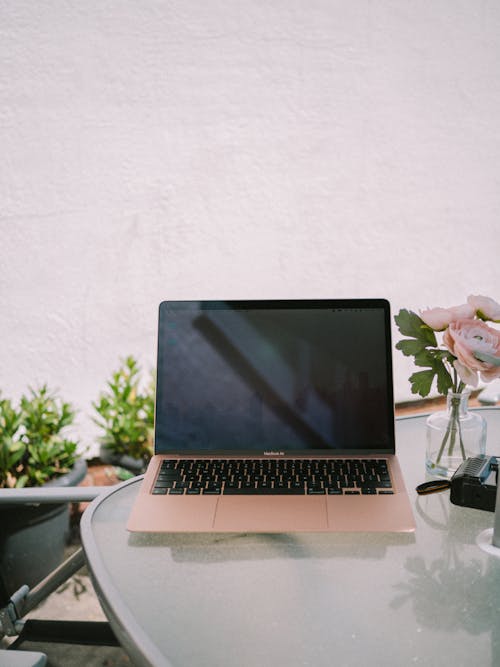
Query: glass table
x=430, y=598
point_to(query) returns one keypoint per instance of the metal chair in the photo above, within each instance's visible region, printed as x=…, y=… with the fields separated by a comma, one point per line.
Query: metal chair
x=25, y=599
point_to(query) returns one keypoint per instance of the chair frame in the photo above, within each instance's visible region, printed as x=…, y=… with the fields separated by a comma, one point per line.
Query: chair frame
x=95, y=633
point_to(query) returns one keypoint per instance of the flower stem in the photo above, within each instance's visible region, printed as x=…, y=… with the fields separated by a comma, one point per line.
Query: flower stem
x=453, y=428
x=443, y=443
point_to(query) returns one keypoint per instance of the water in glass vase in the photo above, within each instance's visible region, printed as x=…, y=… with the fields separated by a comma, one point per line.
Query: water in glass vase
x=453, y=435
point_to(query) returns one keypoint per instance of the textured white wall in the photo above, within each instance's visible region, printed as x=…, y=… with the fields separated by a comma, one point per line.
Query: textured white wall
x=185, y=149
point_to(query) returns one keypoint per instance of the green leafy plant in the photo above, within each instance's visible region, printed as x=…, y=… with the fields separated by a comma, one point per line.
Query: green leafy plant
x=126, y=414
x=12, y=449
x=33, y=449
x=421, y=343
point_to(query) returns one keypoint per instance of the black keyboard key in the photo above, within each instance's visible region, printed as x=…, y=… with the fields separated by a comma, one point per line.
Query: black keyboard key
x=168, y=465
x=164, y=484
x=259, y=491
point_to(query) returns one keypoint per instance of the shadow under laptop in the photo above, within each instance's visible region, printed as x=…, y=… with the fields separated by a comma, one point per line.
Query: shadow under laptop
x=220, y=547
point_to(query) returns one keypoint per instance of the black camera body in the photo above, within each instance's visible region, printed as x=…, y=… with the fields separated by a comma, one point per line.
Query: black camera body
x=474, y=484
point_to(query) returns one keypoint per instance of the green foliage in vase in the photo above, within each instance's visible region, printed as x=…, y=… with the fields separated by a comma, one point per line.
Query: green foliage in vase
x=126, y=414
x=421, y=344
x=33, y=449
x=470, y=348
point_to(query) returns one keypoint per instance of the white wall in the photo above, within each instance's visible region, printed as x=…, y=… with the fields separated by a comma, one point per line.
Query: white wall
x=194, y=149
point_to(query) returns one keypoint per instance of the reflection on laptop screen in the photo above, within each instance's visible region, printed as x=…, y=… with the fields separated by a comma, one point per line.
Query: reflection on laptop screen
x=274, y=375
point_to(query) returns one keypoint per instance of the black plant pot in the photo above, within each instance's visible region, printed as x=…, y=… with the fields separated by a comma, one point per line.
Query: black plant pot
x=135, y=466
x=33, y=537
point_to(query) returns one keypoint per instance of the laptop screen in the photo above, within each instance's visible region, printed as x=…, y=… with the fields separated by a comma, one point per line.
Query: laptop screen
x=274, y=376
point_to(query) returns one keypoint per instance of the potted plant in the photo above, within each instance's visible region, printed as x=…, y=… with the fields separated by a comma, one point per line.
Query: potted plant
x=35, y=452
x=126, y=417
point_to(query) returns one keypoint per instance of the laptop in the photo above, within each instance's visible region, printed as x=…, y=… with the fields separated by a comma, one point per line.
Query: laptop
x=273, y=416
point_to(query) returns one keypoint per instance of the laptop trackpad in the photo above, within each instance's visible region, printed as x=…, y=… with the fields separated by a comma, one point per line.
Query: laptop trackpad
x=270, y=513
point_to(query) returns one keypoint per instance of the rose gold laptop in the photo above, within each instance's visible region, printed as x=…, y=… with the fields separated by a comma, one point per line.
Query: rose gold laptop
x=273, y=416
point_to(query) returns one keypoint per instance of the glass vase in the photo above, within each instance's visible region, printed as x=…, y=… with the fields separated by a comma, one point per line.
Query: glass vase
x=453, y=435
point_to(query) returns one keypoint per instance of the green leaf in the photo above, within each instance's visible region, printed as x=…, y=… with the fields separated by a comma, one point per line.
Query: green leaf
x=21, y=482
x=433, y=359
x=410, y=324
x=444, y=379
x=406, y=322
x=16, y=454
x=442, y=355
x=425, y=358
x=421, y=382
x=410, y=346
x=123, y=474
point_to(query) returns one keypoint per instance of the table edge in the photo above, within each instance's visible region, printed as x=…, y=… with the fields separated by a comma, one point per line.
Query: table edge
x=122, y=621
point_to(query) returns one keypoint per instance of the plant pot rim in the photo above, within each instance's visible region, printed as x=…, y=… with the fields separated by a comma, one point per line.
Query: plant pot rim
x=73, y=477
x=33, y=513
x=123, y=460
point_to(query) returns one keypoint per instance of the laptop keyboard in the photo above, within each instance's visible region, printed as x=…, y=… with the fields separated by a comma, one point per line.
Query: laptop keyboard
x=273, y=477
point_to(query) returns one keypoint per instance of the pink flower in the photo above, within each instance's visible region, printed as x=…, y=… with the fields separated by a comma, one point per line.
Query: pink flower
x=484, y=307
x=465, y=374
x=465, y=338
x=439, y=318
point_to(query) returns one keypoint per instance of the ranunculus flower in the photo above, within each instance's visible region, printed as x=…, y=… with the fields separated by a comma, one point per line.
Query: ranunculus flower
x=464, y=338
x=486, y=308
x=439, y=318
x=466, y=374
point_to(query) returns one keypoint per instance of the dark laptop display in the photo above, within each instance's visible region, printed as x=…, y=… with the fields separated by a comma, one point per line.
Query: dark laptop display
x=280, y=376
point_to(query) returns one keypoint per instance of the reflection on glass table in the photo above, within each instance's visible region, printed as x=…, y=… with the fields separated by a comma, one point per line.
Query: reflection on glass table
x=305, y=599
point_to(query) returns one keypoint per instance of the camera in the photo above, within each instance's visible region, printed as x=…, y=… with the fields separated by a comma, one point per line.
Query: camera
x=474, y=484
